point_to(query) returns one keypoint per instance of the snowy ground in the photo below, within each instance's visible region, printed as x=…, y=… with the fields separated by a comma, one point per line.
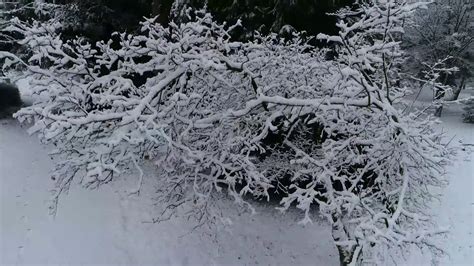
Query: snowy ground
x=456, y=209
x=107, y=226
x=457, y=206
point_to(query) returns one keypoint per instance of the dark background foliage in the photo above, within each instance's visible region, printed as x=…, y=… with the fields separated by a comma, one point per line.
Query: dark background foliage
x=97, y=19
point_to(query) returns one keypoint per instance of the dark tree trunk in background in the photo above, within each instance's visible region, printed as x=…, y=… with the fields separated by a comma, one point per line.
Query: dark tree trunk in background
x=162, y=9
x=457, y=89
x=439, y=108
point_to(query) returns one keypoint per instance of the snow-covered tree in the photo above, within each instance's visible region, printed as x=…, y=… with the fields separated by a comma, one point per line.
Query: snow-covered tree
x=381, y=203
x=247, y=118
x=443, y=32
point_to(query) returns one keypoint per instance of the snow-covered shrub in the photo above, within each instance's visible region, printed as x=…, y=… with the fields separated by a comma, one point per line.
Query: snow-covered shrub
x=468, y=115
x=223, y=116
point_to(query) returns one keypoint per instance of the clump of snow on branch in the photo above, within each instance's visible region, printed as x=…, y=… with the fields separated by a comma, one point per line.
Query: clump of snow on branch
x=203, y=108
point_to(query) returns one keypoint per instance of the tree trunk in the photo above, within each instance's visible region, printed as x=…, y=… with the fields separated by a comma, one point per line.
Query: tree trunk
x=339, y=233
x=438, y=111
x=342, y=257
x=162, y=9
x=457, y=89
x=439, y=96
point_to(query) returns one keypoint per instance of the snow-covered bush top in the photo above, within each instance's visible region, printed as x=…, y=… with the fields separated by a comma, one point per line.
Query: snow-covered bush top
x=201, y=106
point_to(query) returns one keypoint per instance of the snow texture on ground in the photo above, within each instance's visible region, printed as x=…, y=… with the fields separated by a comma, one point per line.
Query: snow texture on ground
x=456, y=209
x=106, y=226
